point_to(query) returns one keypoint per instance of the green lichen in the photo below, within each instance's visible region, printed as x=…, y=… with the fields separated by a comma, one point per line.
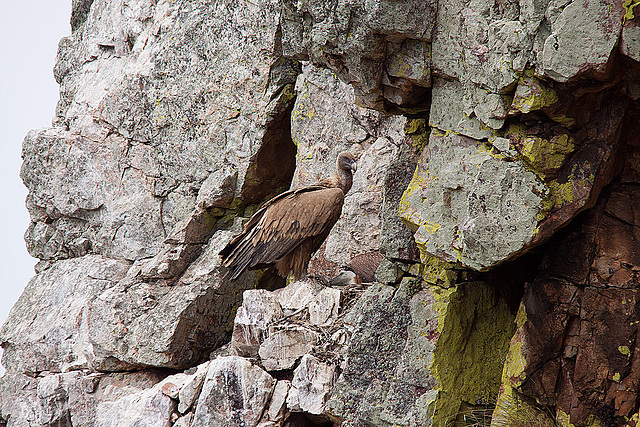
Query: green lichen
x=564, y=193
x=564, y=420
x=475, y=325
x=563, y=120
x=617, y=377
x=406, y=211
x=510, y=409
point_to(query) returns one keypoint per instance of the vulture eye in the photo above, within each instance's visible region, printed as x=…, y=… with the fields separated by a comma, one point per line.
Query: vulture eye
x=354, y=166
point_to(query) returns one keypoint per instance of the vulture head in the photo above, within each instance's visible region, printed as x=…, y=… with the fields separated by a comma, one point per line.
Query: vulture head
x=347, y=162
x=346, y=166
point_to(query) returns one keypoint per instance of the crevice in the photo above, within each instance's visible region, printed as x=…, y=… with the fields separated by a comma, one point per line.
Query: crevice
x=271, y=169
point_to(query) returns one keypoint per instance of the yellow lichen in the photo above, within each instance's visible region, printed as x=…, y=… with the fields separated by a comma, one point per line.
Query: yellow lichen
x=546, y=156
x=406, y=211
x=624, y=350
x=532, y=94
x=628, y=6
x=435, y=271
x=473, y=325
x=419, y=133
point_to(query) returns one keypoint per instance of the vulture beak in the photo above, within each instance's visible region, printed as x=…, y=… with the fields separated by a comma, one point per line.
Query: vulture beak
x=354, y=166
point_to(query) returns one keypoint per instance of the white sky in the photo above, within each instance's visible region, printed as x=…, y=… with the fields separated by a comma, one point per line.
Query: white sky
x=29, y=36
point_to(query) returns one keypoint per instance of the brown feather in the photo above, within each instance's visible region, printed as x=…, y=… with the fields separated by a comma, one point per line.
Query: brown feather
x=365, y=265
x=289, y=228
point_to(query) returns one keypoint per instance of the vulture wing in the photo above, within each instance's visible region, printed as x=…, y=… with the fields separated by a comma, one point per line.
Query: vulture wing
x=282, y=225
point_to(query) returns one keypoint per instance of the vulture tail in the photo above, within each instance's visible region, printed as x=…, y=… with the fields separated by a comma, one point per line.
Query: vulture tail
x=238, y=256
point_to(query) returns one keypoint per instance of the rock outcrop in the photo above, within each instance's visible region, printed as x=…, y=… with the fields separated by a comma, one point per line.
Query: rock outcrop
x=498, y=187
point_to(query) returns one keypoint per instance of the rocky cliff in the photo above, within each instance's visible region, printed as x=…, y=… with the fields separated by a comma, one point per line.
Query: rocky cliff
x=498, y=175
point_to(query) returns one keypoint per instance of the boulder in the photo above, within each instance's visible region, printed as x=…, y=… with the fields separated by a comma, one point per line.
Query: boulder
x=313, y=381
x=234, y=393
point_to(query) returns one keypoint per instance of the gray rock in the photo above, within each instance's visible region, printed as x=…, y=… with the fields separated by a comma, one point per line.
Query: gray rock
x=314, y=381
x=458, y=215
x=235, y=393
x=148, y=407
x=259, y=308
x=630, y=43
x=277, y=411
x=297, y=295
x=285, y=345
x=58, y=303
x=363, y=42
x=324, y=307
x=185, y=421
x=174, y=325
x=567, y=51
x=85, y=197
x=190, y=390
x=451, y=111
x=396, y=238
x=72, y=398
x=386, y=378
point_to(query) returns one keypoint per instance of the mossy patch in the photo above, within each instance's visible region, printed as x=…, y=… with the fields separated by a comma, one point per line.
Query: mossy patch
x=475, y=330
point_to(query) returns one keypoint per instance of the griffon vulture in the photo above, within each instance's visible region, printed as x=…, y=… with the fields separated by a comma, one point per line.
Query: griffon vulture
x=289, y=228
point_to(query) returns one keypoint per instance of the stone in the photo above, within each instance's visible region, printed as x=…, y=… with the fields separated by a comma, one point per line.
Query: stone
x=567, y=52
x=314, y=382
x=78, y=199
x=148, y=407
x=374, y=364
x=277, y=411
x=396, y=238
x=185, y=421
x=258, y=310
x=190, y=390
x=285, y=345
x=452, y=211
x=172, y=325
x=449, y=112
x=532, y=94
x=74, y=398
x=235, y=393
x=379, y=48
x=586, y=288
x=324, y=308
x=59, y=303
x=297, y=295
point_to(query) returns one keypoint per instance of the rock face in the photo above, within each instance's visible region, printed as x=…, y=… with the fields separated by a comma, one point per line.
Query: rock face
x=498, y=187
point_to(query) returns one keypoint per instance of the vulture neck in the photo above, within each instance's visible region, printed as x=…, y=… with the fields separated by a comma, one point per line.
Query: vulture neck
x=343, y=179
